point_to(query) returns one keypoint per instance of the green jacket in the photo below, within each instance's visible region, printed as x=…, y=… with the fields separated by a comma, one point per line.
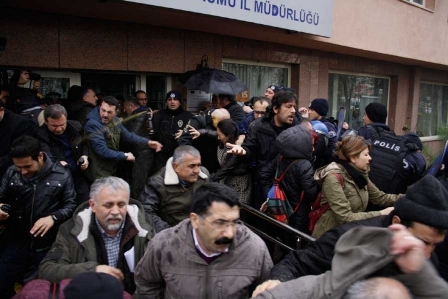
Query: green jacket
x=347, y=202
x=75, y=250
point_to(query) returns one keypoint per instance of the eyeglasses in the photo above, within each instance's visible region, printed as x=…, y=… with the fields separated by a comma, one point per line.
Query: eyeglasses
x=223, y=225
x=259, y=112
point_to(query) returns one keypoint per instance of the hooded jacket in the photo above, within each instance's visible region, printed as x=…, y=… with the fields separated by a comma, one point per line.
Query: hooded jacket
x=166, y=200
x=294, y=145
x=347, y=202
x=172, y=267
x=104, y=141
x=49, y=192
x=79, y=246
x=360, y=254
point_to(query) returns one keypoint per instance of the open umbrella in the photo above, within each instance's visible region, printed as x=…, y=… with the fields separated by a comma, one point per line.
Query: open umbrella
x=216, y=81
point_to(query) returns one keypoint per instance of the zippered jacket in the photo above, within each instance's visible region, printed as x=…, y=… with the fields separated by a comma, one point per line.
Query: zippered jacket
x=49, y=192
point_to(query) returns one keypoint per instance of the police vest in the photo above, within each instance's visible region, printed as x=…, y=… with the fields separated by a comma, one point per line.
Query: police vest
x=389, y=170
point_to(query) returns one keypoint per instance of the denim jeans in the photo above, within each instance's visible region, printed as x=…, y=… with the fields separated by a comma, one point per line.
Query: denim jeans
x=18, y=263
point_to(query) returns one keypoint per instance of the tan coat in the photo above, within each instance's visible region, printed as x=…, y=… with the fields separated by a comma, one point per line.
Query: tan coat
x=347, y=203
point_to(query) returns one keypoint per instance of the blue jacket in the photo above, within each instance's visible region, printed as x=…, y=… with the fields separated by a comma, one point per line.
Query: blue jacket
x=104, y=141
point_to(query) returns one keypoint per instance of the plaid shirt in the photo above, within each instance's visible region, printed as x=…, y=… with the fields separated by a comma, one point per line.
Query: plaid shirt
x=112, y=245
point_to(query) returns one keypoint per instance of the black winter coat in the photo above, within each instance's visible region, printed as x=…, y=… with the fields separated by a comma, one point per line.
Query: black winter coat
x=207, y=145
x=12, y=126
x=137, y=173
x=53, y=146
x=166, y=124
x=295, y=149
x=236, y=112
x=260, y=143
x=317, y=257
x=49, y=192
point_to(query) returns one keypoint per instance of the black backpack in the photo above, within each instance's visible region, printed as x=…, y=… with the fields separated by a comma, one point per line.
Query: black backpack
x=387, y=169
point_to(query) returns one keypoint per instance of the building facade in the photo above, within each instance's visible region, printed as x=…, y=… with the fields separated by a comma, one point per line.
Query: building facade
x=389, y=51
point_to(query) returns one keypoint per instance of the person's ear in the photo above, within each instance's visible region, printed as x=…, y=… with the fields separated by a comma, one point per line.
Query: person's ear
x=92, y=205
x=176, y=167
x=275, y=109
x=396, y=220
x=194, y=218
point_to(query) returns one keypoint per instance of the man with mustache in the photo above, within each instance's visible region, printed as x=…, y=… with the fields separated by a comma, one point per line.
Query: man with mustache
x=105, y=131
x=209, y=255
x=167, y=195
x=100, y=236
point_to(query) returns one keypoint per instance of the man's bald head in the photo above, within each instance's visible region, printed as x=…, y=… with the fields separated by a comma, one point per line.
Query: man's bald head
x=218, y=115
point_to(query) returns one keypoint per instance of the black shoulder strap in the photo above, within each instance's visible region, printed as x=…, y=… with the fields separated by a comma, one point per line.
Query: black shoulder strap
x=279, y=179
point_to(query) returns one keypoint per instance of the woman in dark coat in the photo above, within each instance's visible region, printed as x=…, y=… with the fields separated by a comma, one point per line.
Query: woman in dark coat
x=295, y=145
x=234, y=171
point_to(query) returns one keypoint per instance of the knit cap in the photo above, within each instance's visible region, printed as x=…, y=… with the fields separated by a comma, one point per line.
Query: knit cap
x=425, y=202
x=94, y=285
x=174, y=94
x=377, y=112
x=320, y=106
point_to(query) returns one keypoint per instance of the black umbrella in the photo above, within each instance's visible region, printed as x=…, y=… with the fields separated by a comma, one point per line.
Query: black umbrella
x=216, y=81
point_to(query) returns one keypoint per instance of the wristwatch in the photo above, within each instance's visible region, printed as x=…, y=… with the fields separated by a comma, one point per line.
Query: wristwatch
x=54, y=218
x=126, y=155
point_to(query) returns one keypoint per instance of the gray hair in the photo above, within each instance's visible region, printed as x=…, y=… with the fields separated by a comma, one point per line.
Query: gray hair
x=181, y=151
x=112, y=183
x=377, y=288
x=54, y=111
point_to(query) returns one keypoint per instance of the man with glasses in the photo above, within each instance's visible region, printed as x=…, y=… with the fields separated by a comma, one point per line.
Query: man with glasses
x=259, y=110
x=209, y=255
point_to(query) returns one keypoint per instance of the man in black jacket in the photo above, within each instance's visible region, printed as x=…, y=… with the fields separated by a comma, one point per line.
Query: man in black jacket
x=136, y=174
x=63, y=140
x=423, y=210
x=228, y=102
x=259, y=143
x=167, y=123
x=12, y=125
x=37, y=195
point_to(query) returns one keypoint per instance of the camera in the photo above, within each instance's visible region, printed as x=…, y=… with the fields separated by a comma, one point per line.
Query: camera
x=6, y=208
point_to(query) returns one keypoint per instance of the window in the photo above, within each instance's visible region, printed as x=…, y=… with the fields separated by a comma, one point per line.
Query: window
x=57, y=82
x=258, y=76
x=355, y=92
x=418, y=2
x=432, y=108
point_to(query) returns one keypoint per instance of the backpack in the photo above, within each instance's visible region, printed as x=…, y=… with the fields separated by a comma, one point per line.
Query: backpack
x=317, y=210
x=278, y=206
x=387, y=170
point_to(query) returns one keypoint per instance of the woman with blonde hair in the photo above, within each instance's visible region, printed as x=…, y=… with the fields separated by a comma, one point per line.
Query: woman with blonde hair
x=346, y=187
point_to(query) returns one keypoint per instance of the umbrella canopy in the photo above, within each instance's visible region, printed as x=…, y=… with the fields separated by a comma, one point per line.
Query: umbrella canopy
x=216, y=81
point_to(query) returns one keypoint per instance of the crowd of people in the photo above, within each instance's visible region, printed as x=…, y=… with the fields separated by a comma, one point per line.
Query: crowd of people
x=152, y=199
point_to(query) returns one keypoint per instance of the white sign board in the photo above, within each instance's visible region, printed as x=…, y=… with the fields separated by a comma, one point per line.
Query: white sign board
x=309, y=16
x=197, y=100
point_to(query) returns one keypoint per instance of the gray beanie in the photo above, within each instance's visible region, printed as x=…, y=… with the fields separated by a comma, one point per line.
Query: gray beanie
x=425, y=202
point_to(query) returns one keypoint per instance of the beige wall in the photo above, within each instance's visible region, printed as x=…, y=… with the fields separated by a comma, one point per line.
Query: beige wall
x=68, y=42
x=392, y=27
